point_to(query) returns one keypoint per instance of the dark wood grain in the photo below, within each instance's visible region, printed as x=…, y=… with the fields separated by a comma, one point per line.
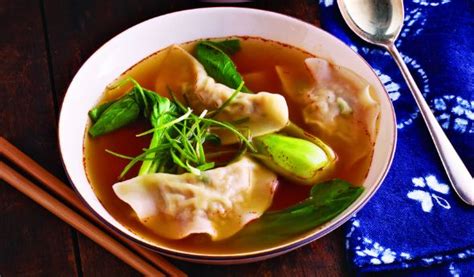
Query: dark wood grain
x=324, y=257
x=32, y=241
x=72, y=31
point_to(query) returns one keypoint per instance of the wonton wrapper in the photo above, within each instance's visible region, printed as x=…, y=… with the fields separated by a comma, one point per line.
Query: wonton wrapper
x=218, y=203
x=339, y=107
x=266, y=112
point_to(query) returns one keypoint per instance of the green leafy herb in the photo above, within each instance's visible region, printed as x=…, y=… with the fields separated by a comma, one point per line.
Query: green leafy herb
x=218, y=65
x=185, y=149
x=232, y=129
x=139, y=158
x=162, y=113
x=326, y=201
x=167, y=124
x=115, y=116
x=229, y=46
x=96, y=112
x=178, y=135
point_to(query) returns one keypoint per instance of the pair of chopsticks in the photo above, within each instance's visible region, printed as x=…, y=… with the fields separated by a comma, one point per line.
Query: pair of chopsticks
x=143, y=260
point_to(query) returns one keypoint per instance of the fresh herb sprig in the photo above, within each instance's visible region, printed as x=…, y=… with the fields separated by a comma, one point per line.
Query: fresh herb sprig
x=178, y=134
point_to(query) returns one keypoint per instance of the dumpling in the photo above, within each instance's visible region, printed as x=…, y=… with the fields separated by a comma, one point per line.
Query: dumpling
x=219, y=202
x=337, y=95
x=261, y=113
x=339, y=106
x=340, y=93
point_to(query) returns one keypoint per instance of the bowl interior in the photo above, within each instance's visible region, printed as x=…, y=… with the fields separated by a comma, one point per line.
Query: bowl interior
x=136, y=43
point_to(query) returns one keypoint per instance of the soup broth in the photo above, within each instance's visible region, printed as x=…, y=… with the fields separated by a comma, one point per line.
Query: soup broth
x=256, y=62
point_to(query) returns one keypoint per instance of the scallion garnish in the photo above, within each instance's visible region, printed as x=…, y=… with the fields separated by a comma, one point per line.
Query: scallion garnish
x=178, y=135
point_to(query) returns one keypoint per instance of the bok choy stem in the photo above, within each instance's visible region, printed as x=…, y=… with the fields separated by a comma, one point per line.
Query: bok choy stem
x=160, y=115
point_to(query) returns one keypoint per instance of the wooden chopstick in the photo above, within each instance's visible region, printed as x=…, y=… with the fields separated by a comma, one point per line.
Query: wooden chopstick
x=67, y=194
x=75, y=220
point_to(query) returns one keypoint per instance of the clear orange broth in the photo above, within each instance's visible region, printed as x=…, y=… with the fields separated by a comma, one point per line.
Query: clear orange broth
x=256, y=55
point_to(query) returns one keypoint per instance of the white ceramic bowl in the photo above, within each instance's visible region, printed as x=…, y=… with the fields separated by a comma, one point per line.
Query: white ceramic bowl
x=136, y=43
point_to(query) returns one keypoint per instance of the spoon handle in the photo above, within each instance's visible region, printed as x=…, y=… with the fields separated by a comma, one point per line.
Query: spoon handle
x=458, y=173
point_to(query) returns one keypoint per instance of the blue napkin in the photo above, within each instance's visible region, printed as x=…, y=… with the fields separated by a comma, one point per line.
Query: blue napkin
x=415, y=221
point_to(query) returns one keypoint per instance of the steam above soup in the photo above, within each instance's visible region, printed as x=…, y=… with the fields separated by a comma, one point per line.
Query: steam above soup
x=227, y=145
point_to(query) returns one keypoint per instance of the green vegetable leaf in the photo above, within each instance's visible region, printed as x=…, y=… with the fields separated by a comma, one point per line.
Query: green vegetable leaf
x=229, y=46
x=162, y=113
x=327, y=200
x=96, y=112
x=115, y=116
x=218, y=65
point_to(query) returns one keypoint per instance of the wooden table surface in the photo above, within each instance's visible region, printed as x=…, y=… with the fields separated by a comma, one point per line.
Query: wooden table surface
x=42, y=45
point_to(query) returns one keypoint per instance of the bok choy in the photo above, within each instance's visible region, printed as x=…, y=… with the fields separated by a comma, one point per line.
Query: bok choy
x=325, y=202
x=295, y=158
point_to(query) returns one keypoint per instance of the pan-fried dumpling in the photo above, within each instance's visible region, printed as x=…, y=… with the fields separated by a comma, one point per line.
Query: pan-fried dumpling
x=262, y=113
x=219, y=202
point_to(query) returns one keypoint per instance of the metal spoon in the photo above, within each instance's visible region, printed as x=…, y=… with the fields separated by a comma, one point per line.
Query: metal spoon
x=379, y=22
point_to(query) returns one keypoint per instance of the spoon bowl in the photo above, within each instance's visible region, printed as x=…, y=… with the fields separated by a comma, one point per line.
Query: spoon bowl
x=375, y=21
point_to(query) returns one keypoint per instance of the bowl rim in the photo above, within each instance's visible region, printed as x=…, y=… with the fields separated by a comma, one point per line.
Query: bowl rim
x=317, y=233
